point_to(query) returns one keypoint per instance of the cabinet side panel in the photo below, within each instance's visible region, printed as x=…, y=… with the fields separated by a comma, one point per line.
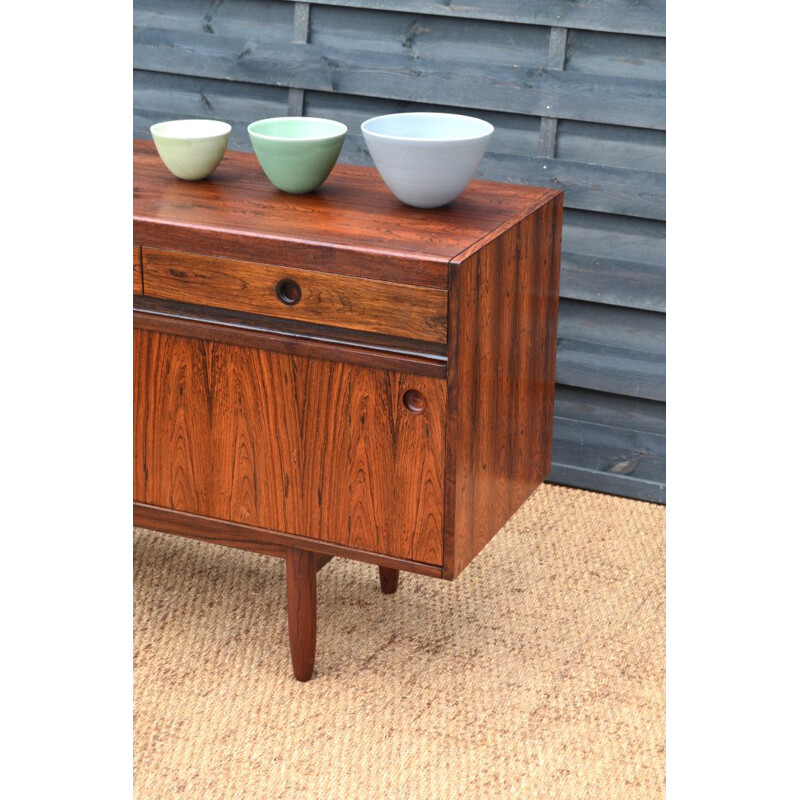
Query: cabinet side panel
x=501, y=379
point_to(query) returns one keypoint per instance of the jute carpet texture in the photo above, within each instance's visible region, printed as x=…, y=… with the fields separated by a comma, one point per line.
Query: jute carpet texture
x=538, y=673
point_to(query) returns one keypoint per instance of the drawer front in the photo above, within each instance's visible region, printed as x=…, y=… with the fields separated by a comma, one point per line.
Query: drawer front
x=331, y=451
x=395, y=309
x=137, y=269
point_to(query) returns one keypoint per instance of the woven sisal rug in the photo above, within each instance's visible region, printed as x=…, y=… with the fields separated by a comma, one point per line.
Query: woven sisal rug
x=538, y=673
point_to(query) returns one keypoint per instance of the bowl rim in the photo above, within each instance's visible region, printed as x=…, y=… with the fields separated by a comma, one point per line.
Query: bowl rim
x=224, y=129
x=389, y=136
x=341, y=132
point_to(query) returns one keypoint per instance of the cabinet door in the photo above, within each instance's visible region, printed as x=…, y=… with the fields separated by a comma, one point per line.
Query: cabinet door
x=321, y=449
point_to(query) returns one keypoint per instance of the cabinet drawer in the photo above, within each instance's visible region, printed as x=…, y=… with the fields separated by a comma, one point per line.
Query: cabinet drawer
x=331, y=451
x=395, y=309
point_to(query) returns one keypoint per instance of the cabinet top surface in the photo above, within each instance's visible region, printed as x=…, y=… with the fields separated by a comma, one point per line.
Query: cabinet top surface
x=353, y=210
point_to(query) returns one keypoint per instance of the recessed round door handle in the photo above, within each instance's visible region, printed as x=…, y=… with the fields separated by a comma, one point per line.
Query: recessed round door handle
x=288, y=291
x=414, y=401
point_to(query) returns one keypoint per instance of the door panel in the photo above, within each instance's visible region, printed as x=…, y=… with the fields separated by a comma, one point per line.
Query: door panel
x=332, y=451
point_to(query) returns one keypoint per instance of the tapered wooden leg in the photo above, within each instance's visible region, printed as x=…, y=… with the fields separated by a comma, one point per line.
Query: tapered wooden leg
x=301, y=595
x=389, y=578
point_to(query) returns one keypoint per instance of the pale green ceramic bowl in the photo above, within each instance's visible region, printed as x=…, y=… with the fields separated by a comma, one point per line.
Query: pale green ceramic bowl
x=297, y=153
x=191, y=149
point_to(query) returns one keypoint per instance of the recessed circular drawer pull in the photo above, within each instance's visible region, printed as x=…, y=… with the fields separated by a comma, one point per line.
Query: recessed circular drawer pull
x=288, y=291
x=414, y=401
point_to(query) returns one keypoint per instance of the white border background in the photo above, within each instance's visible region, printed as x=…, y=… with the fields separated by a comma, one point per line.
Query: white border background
x=66, y=390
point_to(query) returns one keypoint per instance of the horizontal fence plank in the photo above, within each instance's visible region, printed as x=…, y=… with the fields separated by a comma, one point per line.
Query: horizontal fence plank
x=466, y=84
x=609, y=443
x=612, y=145
x=614, y=350
x=262, y=19
x=603, y=448
x=613, y=236
x=610, y=369
x=613, y=282
x=592, y=187
x=617, y=54
x=429, y=39
x=614, y=260
x=608, y=483
x=629, y=329
x=159, y=96
x=612, y=410
x=646, y=17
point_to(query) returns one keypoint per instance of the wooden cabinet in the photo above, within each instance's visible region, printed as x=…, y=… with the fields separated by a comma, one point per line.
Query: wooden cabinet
x=337, y=374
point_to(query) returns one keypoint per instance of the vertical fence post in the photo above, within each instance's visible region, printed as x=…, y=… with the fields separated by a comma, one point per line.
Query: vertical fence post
x=302, y=17
x=556, y=56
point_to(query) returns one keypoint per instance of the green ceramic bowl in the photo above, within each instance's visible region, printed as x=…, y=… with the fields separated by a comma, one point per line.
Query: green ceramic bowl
x=297, y=153
x=191, y=149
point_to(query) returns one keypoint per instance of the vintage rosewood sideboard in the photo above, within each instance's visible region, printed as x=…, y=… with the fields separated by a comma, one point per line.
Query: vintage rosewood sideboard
x=338, y=374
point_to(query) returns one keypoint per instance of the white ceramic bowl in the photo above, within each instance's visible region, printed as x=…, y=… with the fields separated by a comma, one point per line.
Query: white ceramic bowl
x=191, y=149
x=426, y=159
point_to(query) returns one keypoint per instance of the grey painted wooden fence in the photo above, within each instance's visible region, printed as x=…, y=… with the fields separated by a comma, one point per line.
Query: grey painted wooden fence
x=576, y=92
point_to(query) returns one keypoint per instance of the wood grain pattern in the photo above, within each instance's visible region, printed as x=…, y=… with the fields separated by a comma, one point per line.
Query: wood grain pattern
x=262, y=540
x=501, y=379
x=313, y=344
x=301, y=604
x=292, y=329
x=352, y=225
x=394, y=309
x=137, y=269
x=312, y=448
